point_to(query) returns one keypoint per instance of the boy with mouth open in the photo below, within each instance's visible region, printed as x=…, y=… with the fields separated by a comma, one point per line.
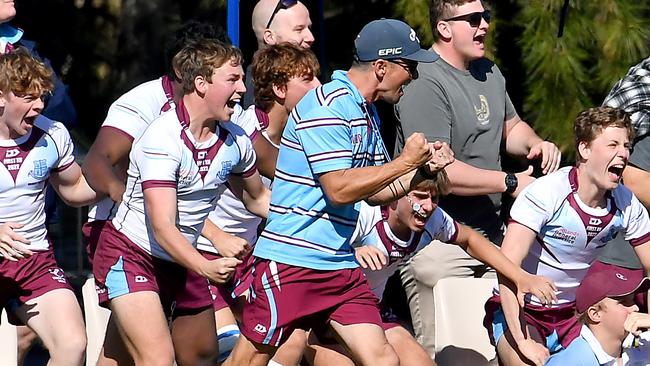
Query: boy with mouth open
x=145, y=253
x=36, y=151
x=387, y=236
x=559, y=224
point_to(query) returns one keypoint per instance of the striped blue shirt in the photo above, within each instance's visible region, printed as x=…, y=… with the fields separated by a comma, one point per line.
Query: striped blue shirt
x=330, y=129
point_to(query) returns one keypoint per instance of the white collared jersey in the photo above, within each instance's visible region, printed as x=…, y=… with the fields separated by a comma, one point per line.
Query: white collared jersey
x=27, y=163
x=167, y=155
x=570, y=234
x=373, y=229
x=230, y=214
x=130, y=115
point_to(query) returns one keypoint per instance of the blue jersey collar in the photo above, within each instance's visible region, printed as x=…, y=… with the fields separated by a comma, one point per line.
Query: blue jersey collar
x=9, y=34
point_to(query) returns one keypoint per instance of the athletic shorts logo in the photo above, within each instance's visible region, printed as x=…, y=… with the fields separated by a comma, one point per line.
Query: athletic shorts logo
x=57, y=275
x=259, y=328
x=40, y=169
x=141, y=279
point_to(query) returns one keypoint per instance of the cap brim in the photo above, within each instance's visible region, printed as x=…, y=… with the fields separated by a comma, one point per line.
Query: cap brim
x=642, y=286
x=422, y=56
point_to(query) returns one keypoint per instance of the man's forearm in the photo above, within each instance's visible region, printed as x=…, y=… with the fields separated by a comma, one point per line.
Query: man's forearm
x=520, y=139
x=467, y=180
x=356, y=184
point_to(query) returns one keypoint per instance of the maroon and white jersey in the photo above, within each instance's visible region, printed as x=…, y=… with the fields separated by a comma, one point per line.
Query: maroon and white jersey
x=231, y=215
x=373, y=229
x=570, y=234
x=167, y=155
x=130, y=115
x=27, y=163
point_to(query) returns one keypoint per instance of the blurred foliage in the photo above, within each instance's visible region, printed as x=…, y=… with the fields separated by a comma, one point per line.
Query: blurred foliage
x=552, y=79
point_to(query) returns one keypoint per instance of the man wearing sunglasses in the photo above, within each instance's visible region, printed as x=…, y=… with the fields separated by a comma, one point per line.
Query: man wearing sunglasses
x=462, y=99
x=275, y=22
x=331, y=157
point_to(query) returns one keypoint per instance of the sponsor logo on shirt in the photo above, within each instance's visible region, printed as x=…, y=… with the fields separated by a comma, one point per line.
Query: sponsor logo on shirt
x=565, y=235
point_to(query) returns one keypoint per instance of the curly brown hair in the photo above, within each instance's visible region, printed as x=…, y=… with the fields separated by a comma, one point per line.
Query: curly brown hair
x=22, y=74
x=275, y=65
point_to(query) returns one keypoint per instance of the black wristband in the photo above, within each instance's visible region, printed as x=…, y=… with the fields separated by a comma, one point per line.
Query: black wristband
x=426, y=175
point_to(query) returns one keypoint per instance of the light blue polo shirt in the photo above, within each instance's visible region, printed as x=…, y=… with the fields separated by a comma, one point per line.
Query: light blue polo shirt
x=583, y=351
x=330, y=129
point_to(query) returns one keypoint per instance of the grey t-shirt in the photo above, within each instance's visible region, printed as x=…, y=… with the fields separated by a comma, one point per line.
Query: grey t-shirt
x=619, y=251
x=467, y=109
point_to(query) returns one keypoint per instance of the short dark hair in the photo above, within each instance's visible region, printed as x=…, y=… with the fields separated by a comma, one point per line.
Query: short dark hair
x=202, y=58
x=191, y=32
x=441, y=9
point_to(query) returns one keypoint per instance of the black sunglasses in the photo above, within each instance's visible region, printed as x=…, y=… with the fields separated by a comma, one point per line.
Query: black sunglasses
x=474, y=19
x=410, y=66
x=282, y=4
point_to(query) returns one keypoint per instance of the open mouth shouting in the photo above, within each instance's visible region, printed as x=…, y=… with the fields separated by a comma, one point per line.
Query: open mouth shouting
x=615, y=172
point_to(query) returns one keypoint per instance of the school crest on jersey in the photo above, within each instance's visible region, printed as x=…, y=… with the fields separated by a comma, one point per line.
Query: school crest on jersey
x=40, y=169
x=226, y=167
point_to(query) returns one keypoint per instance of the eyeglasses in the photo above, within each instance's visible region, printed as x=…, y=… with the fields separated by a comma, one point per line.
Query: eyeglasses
x=410, y=67
x=474, y=19
x=282, y=4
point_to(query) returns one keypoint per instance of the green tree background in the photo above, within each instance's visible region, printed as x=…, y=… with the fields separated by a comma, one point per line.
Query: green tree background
x=552, y=79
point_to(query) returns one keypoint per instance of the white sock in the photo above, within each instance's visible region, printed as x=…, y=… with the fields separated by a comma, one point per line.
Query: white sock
x=227, y=337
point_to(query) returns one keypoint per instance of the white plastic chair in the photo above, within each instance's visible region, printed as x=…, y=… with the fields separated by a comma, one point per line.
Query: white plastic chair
x=96, y=321
x=460, y=337
x=9, y=343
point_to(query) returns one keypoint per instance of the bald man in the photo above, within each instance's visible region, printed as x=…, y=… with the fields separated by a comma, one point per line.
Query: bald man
x=274, y=22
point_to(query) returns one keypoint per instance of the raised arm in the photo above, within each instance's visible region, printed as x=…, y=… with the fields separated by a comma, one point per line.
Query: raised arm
x=521, y=140
x=482, y=249
x=386, y=183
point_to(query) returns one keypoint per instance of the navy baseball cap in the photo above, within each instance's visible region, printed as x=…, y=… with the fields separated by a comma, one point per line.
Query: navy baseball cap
x=389, y=39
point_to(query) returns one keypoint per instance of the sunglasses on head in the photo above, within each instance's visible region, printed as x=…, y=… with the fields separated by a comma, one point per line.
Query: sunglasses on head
x=474, y=19
x=282, y=4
